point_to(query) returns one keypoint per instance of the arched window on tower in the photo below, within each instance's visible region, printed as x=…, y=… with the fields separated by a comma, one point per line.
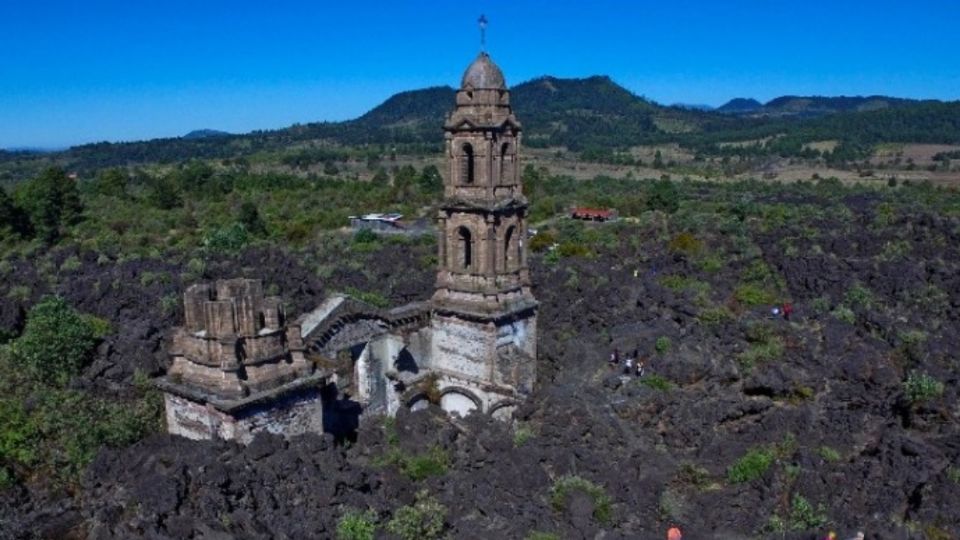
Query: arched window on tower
x=466, y=247
x=508, y=252
x=467, y=164
x=505, y=164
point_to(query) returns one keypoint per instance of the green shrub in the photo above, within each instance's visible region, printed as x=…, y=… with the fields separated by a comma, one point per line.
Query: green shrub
x=751, y=466
x=45, y=439
x=753, y=294
x=433, y=462
x=676, y=282
x=953, y=474
x=829, y=454
x=373, y=298
x=845, y=314
x=538, y=535
x=759, y=353
x=542, y=241
x=859, y=295
x=231, y=238
x=424, y=520
x=357, y=525
x=685, y=242
x=711, y=263
x=573, y=249
x=70, y=264
x=19, y=292
x=521, y=434
x=662, y=345
x=57, y=341
x=693, y=475
x=765, y=346
x=804, y=516
x=421, y=466
x=714, y=315
x=563, y=486
x=657, y=382
x=820, y=304
x=196, y=267
x=169, y=304
x=249, y=217
x=920, y=387
x=663, y=196
x=365, y=236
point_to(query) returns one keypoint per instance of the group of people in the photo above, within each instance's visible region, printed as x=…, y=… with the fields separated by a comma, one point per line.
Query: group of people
x=632, y=365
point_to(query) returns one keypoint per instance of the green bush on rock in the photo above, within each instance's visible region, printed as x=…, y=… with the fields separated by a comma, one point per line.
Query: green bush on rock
x=57, y=340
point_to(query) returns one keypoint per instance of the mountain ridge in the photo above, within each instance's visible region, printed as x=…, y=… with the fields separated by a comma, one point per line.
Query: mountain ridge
x=579, y=114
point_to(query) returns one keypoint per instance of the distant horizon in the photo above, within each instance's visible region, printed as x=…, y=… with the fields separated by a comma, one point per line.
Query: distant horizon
x=117, y=71
x=381, y=102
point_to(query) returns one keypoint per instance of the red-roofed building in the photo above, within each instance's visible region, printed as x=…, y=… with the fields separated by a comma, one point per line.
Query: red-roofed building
x=593, y=214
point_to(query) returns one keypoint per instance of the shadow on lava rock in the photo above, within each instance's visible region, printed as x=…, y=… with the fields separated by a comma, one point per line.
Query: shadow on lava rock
x=341, y=415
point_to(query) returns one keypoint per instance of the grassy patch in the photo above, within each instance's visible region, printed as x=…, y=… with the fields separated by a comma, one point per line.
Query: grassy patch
x=763, y=352
x=521, y=434
x=829, y=454
x=764, y=346
x=357, y=525
x=751, y=466
x=657, y=382
x=714, y=315
x=423, y=520
x=953, y=474
x=538, y=535
x=920, y=387
x=844, y=313
x=433, y=462
x=373, y=298
x=563, y=486
x=753, y=294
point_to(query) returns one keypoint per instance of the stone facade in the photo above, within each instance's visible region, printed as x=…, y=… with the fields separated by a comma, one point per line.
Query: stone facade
x=237, y=366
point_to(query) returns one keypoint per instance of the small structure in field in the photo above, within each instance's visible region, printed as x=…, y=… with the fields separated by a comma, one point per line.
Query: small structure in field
x=593, y=214
x=390, y=224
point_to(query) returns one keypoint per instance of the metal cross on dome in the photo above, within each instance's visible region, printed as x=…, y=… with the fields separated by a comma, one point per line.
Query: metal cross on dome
x=482, y=21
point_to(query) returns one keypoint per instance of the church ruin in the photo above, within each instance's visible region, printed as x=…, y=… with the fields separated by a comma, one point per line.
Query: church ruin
x=239, y=366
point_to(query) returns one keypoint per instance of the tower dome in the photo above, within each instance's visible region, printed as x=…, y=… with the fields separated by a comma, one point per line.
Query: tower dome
x=483, y=74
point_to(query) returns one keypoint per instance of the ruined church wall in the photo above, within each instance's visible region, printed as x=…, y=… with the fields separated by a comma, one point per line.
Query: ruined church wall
x=292, y=415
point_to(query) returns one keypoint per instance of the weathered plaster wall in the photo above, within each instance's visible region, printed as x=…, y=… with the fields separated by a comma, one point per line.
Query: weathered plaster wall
x=288, y=416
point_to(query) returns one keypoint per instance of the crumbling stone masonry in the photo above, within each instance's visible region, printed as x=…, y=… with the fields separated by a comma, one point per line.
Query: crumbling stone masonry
x=238, y=367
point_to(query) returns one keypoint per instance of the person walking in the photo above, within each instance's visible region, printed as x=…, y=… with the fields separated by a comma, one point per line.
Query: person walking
x=787, y=311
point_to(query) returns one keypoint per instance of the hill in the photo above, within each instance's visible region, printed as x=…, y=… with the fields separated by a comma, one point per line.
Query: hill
x=205, y=133
x=812, y=106
x=593, y=114
x=740, y=105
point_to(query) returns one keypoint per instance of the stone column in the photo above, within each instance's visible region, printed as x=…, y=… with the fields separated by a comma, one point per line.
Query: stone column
x=442, y=261
x=491, y=245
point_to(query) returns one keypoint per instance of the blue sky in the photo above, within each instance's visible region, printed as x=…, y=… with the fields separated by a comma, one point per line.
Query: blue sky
x=75, y=72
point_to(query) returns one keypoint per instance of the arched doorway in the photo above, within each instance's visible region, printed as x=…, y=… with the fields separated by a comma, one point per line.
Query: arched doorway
x=459, y=401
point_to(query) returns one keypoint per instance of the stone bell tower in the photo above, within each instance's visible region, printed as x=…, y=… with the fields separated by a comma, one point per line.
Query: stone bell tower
x=484, y=323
